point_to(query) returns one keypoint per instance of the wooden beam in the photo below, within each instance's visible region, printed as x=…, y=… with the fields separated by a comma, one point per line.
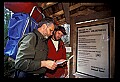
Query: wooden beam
x=74, y=6
x=95, y=15
x=61, y=21
x=66, y=12
x=58, y=13
x=83, y=13
x=91, y=4
x=90, y=16
x=84, y=4
x=48, y=4
x=72, y=43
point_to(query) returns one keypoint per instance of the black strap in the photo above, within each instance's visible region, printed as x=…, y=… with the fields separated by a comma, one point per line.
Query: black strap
x=29, y=24
x=36, y=38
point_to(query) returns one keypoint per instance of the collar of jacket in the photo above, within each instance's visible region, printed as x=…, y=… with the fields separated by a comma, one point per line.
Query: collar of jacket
x=60, y=43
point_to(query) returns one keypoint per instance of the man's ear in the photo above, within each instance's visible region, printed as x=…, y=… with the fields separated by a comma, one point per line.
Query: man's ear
x=44, y=26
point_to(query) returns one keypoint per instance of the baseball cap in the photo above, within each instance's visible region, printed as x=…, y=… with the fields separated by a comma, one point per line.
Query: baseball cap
x=62, y=29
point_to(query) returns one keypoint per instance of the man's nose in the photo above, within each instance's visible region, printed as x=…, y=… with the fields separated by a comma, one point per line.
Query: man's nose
x=60, y=36
x=51, y=33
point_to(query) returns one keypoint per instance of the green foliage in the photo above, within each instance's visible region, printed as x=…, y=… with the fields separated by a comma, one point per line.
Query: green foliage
x=7, y=15
x=5, y=34
x=8, y=67
x=67, y=55
x=8, y=64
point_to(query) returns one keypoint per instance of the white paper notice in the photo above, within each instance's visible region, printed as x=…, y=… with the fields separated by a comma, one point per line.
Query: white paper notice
x=68, y=49
x=92, y=51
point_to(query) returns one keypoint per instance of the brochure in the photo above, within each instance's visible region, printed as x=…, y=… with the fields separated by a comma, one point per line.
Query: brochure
x=61, y=62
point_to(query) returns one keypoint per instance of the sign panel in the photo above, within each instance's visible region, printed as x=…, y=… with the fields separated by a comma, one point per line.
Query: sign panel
x=68, y=49
x=93, y=51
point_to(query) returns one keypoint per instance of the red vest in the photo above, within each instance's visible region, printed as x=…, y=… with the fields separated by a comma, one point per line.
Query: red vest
x=56, y=55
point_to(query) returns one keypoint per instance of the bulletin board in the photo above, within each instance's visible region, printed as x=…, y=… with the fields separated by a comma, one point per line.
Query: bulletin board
x=95, y=48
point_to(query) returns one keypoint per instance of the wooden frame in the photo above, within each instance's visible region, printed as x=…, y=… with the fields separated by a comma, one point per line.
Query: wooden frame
x=110, y=65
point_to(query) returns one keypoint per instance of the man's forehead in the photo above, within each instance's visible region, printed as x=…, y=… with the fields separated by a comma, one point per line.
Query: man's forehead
x=60, y=32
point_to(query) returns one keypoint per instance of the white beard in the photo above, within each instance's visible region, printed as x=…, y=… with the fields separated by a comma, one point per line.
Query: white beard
x=46, y=37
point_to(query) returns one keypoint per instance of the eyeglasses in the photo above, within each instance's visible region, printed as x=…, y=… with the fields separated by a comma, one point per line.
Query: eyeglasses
x=51, y=30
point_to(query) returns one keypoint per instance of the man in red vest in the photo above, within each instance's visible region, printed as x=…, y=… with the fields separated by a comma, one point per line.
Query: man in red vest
x=57, y=52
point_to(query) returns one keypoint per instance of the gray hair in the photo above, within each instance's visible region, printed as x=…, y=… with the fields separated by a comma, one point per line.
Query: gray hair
x=47, y=21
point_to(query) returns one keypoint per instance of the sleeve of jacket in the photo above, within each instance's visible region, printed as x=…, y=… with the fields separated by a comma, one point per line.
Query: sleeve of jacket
x=26, y=51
